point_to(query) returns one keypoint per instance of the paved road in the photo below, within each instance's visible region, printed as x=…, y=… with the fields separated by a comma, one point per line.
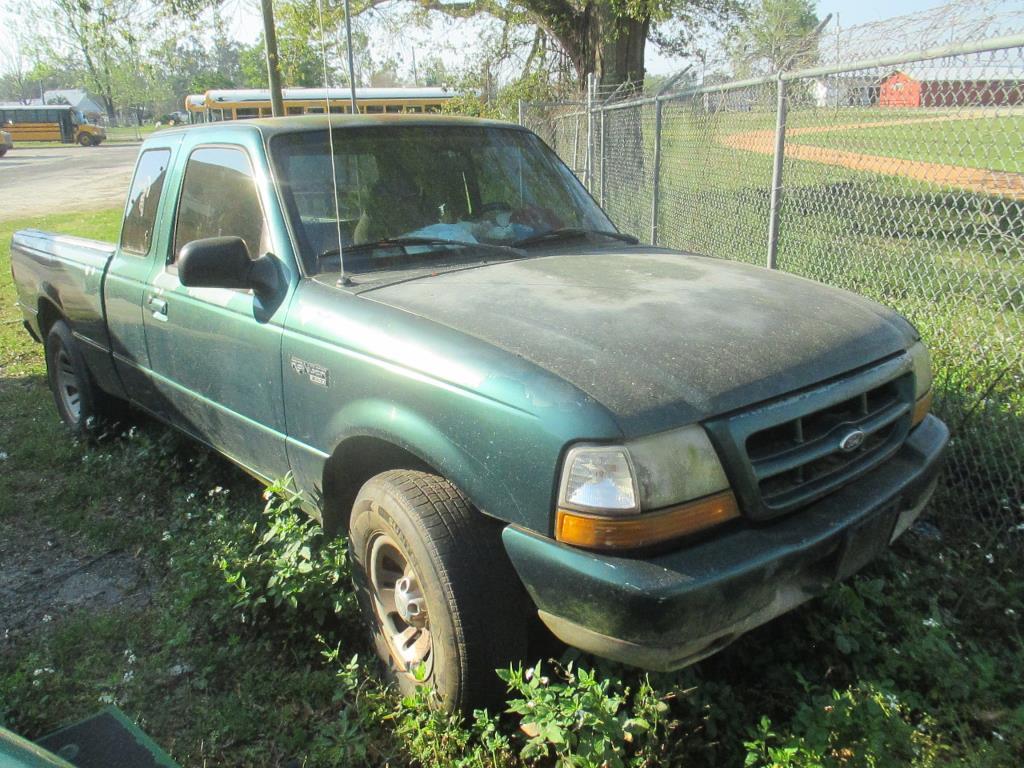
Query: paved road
x=36, y=181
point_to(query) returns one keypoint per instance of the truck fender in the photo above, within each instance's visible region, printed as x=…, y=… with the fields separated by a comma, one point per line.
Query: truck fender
x=372, y=436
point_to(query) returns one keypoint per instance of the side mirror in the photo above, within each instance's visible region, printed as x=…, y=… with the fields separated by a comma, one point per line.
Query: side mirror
x=223, y=262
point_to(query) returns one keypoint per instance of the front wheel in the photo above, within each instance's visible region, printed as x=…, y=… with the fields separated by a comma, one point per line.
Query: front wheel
x=444, y=605
x=85, y=140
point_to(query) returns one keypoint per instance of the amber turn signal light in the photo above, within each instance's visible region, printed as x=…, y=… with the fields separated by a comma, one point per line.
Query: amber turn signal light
x=595, y=532
x=921, y=408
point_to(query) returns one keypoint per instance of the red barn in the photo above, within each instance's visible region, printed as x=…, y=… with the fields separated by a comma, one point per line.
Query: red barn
x=901, y=90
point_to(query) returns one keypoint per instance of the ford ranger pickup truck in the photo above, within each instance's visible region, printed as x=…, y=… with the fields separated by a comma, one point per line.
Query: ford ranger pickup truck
x=512, y=410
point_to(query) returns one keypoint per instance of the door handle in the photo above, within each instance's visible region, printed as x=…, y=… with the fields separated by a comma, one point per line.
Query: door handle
x=159, y=307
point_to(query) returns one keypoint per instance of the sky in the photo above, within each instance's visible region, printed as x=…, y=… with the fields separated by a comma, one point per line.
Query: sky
x=451, y=39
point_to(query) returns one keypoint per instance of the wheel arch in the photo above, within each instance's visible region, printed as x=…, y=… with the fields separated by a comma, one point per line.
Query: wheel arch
x=378, y=436
x=356, y=459
x=48, y=313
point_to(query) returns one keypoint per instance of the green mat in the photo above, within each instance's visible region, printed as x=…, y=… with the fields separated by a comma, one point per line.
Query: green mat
x=108, y=739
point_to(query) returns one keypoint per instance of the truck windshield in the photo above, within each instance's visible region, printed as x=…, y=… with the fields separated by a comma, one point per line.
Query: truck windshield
x=418, y=196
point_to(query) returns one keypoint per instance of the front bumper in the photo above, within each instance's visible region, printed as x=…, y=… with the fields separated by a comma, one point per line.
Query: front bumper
x=670, y=610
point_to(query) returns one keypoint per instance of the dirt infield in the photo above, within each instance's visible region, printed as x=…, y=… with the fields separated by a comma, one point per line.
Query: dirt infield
x=986, y=182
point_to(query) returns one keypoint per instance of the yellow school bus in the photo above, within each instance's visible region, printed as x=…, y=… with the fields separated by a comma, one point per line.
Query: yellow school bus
x=195, y=106
x=53, y=122
x=216, y=105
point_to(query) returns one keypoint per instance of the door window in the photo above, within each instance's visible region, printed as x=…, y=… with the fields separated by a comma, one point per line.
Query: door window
x=143, y=199
x=219, y=199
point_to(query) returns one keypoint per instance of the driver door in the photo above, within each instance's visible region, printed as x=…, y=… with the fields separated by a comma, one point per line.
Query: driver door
x=215, y=353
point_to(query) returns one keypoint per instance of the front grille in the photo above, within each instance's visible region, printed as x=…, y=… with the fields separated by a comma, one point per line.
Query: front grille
x=790, y=452
x=802, y=456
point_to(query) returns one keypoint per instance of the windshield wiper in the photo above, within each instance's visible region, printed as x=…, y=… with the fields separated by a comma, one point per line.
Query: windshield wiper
x=504, y=250
x=569, y=233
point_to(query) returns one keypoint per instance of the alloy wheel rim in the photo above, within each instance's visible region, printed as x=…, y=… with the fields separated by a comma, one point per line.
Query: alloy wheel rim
x=400, y=608
x=67, y=385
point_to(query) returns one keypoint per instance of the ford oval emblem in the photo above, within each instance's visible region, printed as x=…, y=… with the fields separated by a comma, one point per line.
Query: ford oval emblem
x=852, y=441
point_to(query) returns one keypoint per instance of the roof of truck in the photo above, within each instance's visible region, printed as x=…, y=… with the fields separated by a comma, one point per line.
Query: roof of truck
x=270, y=126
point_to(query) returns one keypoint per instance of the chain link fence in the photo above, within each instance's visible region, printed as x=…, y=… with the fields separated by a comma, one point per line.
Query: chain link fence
x=891, y=163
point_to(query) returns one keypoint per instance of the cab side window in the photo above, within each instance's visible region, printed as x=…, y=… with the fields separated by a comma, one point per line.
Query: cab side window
x=219, y=199
x=143, y=200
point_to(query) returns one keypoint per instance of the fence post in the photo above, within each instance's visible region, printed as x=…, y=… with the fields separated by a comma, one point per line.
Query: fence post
x=521, y=113
x=776, y=191
x=656, y=186
x=604, y=163
x=590, y=131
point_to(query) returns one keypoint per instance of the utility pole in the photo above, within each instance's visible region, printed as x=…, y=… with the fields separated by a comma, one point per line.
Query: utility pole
x=273, y=68
x=351, y=57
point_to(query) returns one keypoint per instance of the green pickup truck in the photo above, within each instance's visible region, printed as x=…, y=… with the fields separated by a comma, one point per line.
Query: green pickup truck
x=512, y=410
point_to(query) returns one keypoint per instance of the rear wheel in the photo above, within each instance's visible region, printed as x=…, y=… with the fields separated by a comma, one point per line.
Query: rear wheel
x=3, y=151
x=443, y=604
x=82, y=406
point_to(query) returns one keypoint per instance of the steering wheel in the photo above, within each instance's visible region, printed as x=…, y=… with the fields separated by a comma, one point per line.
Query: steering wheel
x=494, y=207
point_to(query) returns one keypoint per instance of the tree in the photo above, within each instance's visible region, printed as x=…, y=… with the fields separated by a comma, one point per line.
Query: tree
x=607, y=38
x=774, y=34
x=100, y=39
x=433, y=72
x=303, y=46
x=15, y=84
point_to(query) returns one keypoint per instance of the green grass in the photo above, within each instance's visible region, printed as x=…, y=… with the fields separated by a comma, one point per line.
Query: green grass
x=129, y=132
x=993, y=143
x=918, y=661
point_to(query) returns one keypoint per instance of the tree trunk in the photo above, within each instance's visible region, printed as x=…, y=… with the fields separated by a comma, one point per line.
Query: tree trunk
x=610, y=46
x=617, y=45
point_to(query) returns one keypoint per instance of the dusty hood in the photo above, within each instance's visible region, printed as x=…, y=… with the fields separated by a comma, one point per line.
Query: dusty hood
x=659, y=338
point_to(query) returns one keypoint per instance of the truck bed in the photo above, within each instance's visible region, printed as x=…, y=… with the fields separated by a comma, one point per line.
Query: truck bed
x=62, y=274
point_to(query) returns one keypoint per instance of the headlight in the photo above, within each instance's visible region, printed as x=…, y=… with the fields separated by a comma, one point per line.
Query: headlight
x=922, y=369
x=598, y=478
x=650, y=490
x=922, y=382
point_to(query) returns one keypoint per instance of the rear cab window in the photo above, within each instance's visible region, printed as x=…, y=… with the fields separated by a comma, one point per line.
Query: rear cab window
x=143, y=201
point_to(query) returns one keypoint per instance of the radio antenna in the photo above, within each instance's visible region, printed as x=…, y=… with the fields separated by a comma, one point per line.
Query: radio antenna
x=330, y=142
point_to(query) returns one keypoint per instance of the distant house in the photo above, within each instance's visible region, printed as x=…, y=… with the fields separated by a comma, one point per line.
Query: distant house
x=77, y=98
x=901, y=90
x=844, y=91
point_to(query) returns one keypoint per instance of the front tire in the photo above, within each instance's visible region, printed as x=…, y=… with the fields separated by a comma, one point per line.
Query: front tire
x=444, y=606
x=85, y=140
x=82, y=406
